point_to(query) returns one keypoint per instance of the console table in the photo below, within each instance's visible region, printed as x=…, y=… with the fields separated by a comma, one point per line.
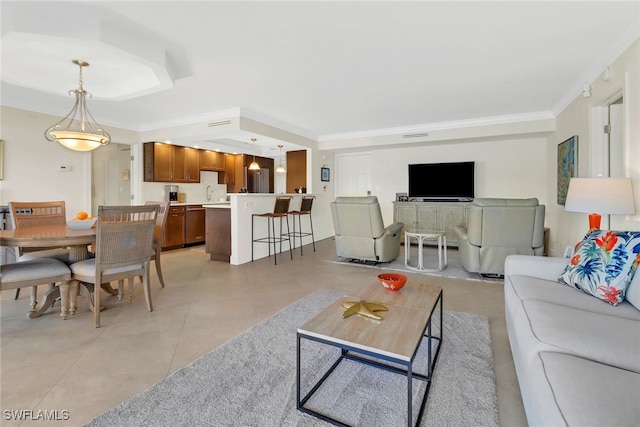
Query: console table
x=432, y=216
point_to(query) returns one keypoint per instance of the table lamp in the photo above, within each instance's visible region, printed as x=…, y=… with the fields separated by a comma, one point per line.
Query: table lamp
x=597, y=196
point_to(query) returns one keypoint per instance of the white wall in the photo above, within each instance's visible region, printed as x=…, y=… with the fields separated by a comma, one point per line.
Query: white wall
x=514, y=168
x=577, y=119
x=31, y=163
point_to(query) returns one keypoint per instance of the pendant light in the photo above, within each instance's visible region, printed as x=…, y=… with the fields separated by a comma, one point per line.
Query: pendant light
x=254, y=166
x=280, y=168
x=82, y=133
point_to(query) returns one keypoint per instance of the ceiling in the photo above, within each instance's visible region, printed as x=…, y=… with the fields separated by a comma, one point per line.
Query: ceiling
x=322, y=70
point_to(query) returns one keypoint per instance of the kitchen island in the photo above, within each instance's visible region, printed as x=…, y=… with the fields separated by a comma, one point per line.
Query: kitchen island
x=233, y=219
x=218, y=231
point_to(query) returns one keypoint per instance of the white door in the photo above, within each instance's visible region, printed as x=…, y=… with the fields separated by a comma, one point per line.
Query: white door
x=616, y=164
x=353, y=174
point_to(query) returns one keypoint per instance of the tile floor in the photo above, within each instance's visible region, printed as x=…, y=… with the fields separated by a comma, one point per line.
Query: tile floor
x=67, y=365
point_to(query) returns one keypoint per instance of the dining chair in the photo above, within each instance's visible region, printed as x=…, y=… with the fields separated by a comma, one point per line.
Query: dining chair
x=158, y=233
x=32, y=273
x=29, y=214
x=124, y=236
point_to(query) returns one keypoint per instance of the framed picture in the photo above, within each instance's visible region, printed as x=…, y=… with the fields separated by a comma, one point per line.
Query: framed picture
x=567, y=166
x=324, y=174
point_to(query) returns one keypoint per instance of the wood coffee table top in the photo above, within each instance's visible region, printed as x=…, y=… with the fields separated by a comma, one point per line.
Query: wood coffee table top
x=397, y=336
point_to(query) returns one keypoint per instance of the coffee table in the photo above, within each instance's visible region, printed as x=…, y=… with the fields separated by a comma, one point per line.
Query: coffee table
x=394, y=340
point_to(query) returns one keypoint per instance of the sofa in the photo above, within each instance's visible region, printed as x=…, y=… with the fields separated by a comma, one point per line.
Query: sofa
x=497, y=228
x=360, y=232
x=577, y=356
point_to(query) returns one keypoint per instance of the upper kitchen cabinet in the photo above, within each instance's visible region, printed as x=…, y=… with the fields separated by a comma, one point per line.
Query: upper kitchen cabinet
x=191, y=164
x=229, y=175
x=296, y=170
x=212, y=161
x=171, y=163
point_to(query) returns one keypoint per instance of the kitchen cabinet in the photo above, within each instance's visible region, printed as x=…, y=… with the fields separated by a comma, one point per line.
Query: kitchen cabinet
x=230, y=168
x=174, y=228
x=296, y=170
x=228, y=177
x=194, y=225
x=435, y=216
x=218, y=234
x=158, y=162
x=171, y=163
x=191, y=164
x=212, y=161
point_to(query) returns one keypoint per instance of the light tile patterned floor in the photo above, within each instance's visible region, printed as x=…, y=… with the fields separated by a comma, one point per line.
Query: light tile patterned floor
x=68, y=365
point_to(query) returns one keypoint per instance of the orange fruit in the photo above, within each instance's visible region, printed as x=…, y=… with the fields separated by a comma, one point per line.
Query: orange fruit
x=82, y=215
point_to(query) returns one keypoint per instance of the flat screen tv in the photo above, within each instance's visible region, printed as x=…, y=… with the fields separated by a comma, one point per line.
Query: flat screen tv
x=446, y=181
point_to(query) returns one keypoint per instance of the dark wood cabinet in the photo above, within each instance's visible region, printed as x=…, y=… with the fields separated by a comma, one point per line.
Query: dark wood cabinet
x=212, y=161
x=194, y=225
x=171, y=163
x=218, y=231
x=191, y=164
x=229, y=176
x=158, y=162
x=174, y=228
x=296, y=170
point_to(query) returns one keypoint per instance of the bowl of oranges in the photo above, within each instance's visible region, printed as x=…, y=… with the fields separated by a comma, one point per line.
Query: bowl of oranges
x=82, y=221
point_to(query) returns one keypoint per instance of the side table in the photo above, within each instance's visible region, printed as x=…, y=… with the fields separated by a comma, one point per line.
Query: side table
x=421, y=236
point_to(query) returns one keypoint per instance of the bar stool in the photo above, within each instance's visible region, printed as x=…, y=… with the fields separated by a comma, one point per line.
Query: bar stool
x=305, y=209
x=280, y=210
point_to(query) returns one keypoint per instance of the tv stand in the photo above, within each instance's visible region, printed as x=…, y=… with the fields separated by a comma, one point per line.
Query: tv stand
x=433, y=215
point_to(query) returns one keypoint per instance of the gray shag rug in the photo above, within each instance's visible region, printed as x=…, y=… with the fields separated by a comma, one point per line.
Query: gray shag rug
x=251, y=381
x=430, y=259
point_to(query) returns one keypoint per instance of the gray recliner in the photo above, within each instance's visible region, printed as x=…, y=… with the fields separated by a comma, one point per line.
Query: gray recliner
x=497, y=228
x=360, y=231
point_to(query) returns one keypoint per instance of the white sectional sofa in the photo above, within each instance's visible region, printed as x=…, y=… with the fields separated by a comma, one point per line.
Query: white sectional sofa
x=577, y=357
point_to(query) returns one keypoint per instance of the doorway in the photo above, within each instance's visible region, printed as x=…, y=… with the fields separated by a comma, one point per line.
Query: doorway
x=111, y=176
x=353, y=174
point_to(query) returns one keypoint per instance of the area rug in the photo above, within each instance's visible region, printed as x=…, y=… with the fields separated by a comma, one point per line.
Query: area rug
x=430, y=256
x=251, y=381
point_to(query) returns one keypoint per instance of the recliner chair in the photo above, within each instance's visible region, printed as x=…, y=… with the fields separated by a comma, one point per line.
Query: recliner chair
x=497, y=228
x=360, y=232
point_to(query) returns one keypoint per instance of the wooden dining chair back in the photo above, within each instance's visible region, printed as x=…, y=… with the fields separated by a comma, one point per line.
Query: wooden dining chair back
x=30, y=214
x=124, y=236
x=158, y=234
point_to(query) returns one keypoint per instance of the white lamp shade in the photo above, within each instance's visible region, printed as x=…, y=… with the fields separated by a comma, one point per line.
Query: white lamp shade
x=606, y=196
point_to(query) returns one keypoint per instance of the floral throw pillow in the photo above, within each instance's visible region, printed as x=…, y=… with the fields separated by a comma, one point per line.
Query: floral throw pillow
x=604, y=264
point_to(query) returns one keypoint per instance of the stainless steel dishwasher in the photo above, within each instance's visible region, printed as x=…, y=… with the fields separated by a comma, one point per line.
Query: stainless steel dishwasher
x=195, y=224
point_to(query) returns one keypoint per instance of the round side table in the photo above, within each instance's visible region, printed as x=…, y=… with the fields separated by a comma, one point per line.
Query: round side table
x=421, y=236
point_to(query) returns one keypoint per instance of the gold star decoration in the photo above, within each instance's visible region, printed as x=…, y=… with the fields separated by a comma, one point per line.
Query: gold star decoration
x=364, y=308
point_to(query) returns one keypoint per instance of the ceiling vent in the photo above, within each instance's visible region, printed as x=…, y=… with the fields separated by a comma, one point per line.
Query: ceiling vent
x=416, y=135
x=222, y=123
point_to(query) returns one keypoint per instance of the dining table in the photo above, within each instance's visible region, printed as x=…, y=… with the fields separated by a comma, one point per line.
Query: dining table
x=53, y=236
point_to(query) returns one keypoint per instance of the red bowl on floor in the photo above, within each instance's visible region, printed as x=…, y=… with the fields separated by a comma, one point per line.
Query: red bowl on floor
x=392, y=281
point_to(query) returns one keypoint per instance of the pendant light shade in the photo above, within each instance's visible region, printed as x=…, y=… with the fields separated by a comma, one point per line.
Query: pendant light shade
x=254, y=166
x=80, y=133
x=280, y=168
